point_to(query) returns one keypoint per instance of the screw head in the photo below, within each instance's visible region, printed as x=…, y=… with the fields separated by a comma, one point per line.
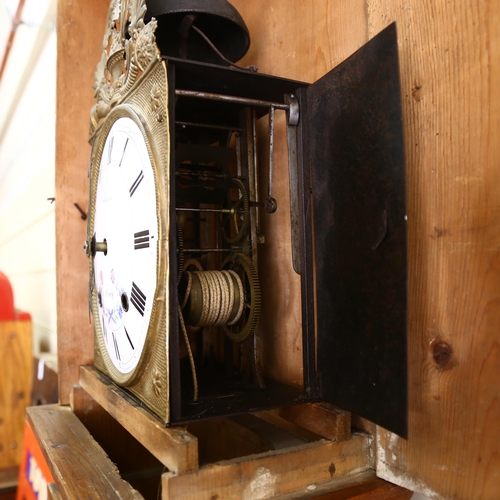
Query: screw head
x=271, y=205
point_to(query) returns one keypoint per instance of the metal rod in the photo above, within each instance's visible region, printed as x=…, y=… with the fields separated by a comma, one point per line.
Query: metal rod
x=206, y=250
x=271, y=151
x=208, y=125
x=255, y=175
x=238, y=154
x=216, y=210
x=101, y=246
x=207, y=173
x=228, y=98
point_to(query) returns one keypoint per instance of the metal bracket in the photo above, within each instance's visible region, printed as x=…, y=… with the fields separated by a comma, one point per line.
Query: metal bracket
x=293, y=110
x=293, y=120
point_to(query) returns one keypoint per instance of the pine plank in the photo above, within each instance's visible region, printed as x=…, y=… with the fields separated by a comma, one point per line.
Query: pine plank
x=174, y=447
x=78, y=464
x=324, y=419
x=372, y=489
x=450, y=75
x=135, y=463
x=273, y=417
x=121, y=447
x=272, y=473
x=79, y=40
x=361, y=486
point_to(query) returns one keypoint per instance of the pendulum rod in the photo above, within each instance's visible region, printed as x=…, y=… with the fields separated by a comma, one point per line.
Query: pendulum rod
x=271, y=151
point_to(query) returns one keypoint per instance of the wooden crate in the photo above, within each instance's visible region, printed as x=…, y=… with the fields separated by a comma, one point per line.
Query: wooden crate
x=91, y=450
x=15, y=394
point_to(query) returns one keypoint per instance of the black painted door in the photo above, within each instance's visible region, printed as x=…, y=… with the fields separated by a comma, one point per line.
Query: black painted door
x=354, y=152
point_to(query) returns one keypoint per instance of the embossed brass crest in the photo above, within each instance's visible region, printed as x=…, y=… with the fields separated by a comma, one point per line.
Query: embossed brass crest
x=128, y=48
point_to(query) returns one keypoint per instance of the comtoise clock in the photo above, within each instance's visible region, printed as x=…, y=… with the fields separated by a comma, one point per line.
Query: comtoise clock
x=177, y=193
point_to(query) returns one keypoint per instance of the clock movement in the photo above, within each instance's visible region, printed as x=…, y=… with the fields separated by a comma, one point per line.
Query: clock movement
x=177, y=192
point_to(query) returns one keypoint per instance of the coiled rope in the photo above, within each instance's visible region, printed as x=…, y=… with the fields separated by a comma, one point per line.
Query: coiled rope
x=219, y=292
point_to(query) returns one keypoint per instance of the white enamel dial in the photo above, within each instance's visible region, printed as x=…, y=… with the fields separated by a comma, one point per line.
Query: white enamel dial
x=126, y=237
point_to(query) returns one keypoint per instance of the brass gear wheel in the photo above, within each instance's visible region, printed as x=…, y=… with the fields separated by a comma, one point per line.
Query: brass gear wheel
x=191, y=265
x=180, y=248
x=235, y=224
x=245, y=326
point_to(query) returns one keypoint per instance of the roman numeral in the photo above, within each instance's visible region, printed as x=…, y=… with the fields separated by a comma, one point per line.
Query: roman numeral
x=141, y=240
x=126, y=333
x=123, y=154
x=117, y=351
x=110, y=149
x=136, y=183
x=138, y=299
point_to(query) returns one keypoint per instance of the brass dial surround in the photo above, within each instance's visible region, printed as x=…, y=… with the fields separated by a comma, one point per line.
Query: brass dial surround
x=126, y=111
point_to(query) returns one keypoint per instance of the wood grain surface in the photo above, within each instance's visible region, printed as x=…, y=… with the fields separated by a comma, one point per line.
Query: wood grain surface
x=450, y=60
x=15, y=389
x=450, y=74
x=135, y=463
x=79, y=41
x=321, y=418
x=274, y=473
x=174, y=447
x=78, y=464
x=120, y=446
x=372, y=489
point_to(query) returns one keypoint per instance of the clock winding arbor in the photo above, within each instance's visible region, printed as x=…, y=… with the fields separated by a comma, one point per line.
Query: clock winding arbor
x=176, y=196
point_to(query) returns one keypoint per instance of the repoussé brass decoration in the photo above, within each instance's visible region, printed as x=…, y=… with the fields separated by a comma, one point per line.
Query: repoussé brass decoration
x=128, y=48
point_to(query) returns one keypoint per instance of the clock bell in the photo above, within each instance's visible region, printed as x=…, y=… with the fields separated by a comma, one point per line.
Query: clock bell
x=346, y=198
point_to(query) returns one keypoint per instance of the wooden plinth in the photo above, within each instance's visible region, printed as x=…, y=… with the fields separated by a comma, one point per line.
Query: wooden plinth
x=260, y=455
x=80, y=467
x=173, y=447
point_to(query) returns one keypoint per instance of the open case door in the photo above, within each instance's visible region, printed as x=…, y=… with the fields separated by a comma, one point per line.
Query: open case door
x=353, y=149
